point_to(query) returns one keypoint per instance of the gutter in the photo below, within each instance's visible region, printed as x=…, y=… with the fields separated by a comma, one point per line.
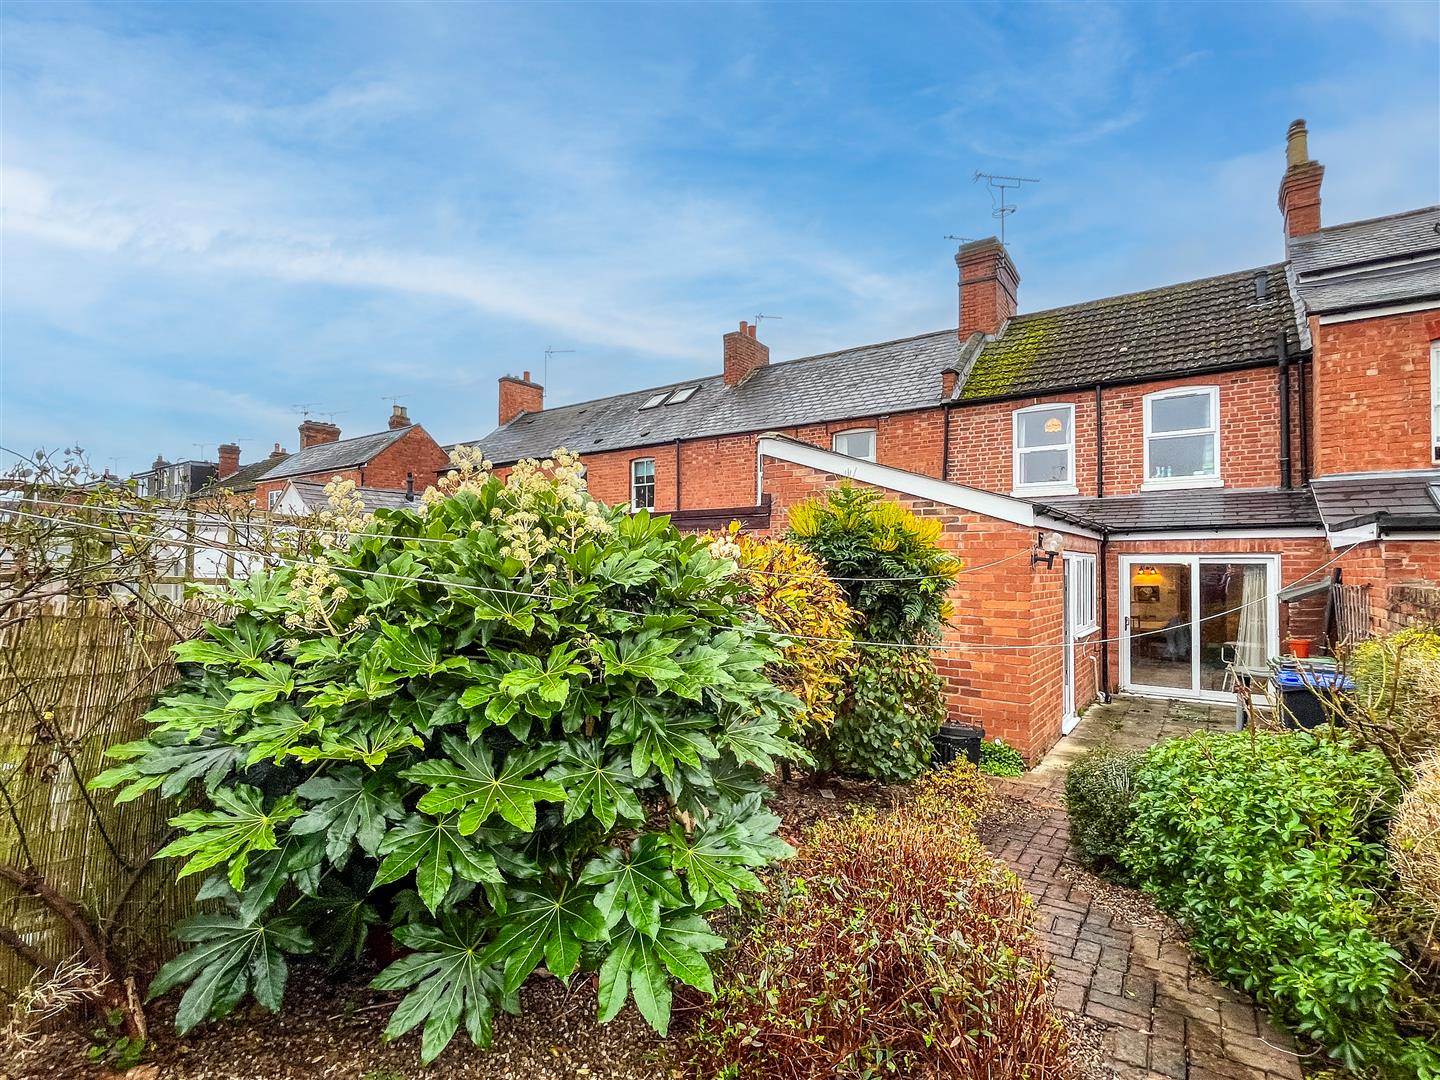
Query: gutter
x=1135, y=380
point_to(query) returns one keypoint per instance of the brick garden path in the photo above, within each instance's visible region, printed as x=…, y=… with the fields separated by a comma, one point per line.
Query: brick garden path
x=1163, y=1016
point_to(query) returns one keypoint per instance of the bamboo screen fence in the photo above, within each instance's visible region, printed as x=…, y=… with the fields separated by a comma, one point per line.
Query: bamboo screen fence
x=74, y=680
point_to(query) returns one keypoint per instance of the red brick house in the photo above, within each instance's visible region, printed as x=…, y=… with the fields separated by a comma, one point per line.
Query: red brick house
x=1186, y=447
x=402, y=456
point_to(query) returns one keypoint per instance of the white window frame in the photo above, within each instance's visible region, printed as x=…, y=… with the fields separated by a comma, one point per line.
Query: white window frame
x=635, y=483
x=272, y=500
x=1161, y=482
x=1084, y=613
x=1435, y=403
x=837, y=436
x=1018, y=486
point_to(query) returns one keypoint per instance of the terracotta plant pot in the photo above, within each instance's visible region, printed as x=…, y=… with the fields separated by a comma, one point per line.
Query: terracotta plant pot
x=1299, y=647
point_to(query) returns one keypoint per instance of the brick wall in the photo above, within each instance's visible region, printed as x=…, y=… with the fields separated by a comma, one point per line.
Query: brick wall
x=1403, y=578
x=982, y=442
x=995, y=675
x=1371, y=393
x=414, y=452
x=720, y=471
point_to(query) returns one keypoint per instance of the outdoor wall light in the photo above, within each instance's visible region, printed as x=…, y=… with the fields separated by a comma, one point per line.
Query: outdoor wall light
x=1047, y=546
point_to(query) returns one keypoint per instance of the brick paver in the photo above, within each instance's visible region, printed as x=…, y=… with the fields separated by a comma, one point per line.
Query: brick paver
x=1165, y=1016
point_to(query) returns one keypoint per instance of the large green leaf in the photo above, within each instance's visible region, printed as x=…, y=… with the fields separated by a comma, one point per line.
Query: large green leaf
x=756, y=740
x=636, y=881
x=229, y=958
x=545, y=924
x=663, y=743
x=240, y=824
x=449, y=982
x=437, y=852
x=416, y=651
x=548, y=680
x=645, y=655
x=169, y=760
x=639, y=966
x=241, y=644
x=270, y=681
x=594, y=783
x=275, y=730
x=350, y=807
x=466, y=780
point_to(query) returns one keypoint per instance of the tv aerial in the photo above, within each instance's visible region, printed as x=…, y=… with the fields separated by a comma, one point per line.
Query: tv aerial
x=550, y=351
x=998, y=186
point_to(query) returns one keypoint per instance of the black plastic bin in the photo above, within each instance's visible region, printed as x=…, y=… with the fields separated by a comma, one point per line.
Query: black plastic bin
x=955, y=741
x=1300, y=696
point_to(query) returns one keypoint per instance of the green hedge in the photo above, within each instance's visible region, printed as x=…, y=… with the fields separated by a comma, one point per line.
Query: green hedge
x=1269, y=850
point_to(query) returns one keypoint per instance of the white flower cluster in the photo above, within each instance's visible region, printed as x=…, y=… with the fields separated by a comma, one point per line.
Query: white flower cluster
x=468, y=472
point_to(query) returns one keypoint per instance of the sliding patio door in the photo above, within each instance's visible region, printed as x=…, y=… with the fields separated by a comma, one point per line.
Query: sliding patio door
x=1186, y=618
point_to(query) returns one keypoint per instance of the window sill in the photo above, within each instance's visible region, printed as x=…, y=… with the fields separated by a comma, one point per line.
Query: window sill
x=1170, y=483
x=1025, y=491
x=1084, y=632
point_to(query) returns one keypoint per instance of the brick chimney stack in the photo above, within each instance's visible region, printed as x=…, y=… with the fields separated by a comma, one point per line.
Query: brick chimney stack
x=229, y=460
x=1300, y=186
x=315, y=432
x=743, y=354
x=399, y=417
x=519, y=396
x=989, y=284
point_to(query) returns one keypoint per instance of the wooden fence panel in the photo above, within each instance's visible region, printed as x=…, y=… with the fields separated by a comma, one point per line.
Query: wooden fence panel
x=75, y=680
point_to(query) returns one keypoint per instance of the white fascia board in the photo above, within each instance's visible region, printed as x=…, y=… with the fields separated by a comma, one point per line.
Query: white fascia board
x=1349, y=537
x=1377, y=312
x=1286, y=532
x=961, y=497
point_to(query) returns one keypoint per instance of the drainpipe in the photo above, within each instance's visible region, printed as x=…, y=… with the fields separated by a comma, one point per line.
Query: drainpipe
x=1302, y=373
x=945, y=442
x=677, y=475
x=1099, y=445
x=1283, y=364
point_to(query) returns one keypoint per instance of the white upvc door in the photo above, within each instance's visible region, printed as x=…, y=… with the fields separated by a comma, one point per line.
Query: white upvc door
x=1186, y=618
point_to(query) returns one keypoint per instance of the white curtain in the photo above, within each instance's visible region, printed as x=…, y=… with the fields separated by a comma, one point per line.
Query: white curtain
x=1250, y=650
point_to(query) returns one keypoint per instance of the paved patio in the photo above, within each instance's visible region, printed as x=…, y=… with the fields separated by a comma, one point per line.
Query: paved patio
x=1164, y=1017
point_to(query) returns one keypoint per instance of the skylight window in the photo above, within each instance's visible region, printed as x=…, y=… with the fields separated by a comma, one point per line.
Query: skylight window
x=654, y=400
x=684, y=394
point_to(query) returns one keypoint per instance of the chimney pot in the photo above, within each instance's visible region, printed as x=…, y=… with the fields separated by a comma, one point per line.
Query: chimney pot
x=229, y=460
x=399, y=417
x=1300, y=186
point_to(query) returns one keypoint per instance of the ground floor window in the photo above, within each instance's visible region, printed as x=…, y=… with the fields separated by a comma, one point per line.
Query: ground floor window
x=1189, y=620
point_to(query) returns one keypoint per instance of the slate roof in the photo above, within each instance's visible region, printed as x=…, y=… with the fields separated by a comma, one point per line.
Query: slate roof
x=372, y=499
x=1202, y=508
x=245, y=477
x=327, y=457
x=873, y=379
x=1175, y=330
x=1360, y=264
x=1393, y=500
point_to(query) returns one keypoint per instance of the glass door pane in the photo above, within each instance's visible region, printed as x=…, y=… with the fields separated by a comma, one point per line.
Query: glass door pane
x=1234, y=619
x=1161, y=647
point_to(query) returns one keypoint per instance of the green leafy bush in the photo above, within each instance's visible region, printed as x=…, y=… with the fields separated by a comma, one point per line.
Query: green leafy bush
x=888, y=560
x=887, y=717
x=1269, y=849
x=1396, y=704
x=517, y=726
x=1099, y=789
x=893, y=945
x=999, y=758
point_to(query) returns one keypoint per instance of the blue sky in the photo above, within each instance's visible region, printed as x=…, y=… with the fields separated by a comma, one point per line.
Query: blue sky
x=213, y=212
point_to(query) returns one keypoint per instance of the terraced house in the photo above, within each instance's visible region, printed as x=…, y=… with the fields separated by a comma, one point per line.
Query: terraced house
x=1150, y=491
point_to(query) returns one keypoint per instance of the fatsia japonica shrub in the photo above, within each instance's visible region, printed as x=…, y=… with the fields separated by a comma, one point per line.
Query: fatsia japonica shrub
x=520, y=728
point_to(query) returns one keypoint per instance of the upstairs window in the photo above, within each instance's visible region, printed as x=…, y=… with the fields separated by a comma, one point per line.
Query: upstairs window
x=857, y=444
x=642, y=484
x=1435, y=402
x=274, y=500
x=1045, y=449
x=1182, y=437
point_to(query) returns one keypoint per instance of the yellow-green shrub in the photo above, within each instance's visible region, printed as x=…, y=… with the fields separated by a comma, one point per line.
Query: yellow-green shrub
x=1396, y=706
x=790, y=590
